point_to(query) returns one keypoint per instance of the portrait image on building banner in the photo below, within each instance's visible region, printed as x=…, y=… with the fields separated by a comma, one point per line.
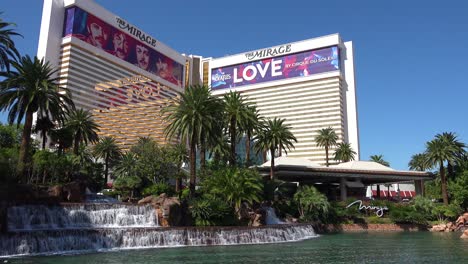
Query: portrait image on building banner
x=300, y=64
x=89, y=28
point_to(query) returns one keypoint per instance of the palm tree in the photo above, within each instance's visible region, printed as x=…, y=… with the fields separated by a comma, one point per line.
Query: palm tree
x=237, y=113
x=249, y=126
x=179, y=155
x=62, y=138
x=83, y=127
x=108, y=150
x=32, y=88
x=326, y=138
x=7, y=46
x=419, y=162
x=379, y=159
x=444, y=148
x=127, y=165
x=43, y=126
x=275, y=135
x=344, y=152
x=195, y=110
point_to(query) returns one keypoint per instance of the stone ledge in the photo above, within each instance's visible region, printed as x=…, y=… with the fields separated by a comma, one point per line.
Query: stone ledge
x=370, y=228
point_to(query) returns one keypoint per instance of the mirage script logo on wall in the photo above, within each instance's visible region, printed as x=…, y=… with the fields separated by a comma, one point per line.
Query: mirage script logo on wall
x=379, y=210
x=268, y=52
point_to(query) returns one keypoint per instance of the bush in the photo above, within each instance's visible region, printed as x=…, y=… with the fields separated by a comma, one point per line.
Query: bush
x=127, y=185
x=157, y=189
x=210, y=210
x=407, y=215
x=378, y=220
x=312, y=205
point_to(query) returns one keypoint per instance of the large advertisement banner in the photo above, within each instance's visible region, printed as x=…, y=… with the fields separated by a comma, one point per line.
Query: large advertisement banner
x=277, y=68
x=87, y=27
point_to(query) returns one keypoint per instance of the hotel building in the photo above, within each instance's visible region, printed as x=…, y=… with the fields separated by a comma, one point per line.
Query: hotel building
x=308, y=83
x=124, y=76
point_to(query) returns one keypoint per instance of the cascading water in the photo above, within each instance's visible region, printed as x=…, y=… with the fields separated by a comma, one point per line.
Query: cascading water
x=43, y=230
x=271, y=218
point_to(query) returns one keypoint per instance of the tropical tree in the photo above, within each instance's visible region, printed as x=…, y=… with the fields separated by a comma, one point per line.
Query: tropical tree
x=83, y=127
x=444, y=148
x=179, y=155
x=249, y=126
x=312, y=204
x=326, y=138
x=236, y=186
x=237, y=113
x=344, y=152
x=32, y=88
x=108, y=150
x=43, y=126
x=379, y=159
x=419, y=162
x=273, y=136
x=62, y=138
x=192, y=112
x=126, y=166
x=7, y=46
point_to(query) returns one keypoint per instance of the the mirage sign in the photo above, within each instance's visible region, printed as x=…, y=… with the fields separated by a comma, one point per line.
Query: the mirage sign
x=277, y=68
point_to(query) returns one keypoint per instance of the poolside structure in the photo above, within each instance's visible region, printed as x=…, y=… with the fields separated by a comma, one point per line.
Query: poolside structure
x=342, y=180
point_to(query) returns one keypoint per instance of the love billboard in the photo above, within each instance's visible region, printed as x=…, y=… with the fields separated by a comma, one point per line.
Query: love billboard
x=300, y=64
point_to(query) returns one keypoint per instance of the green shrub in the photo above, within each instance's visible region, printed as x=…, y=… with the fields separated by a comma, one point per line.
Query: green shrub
x=157, y=189
x=210, y=210
x=312, y=205
x=406, y=214
x=374, y=219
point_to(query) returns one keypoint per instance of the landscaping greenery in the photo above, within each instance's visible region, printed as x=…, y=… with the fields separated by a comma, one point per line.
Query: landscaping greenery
x=225, y=190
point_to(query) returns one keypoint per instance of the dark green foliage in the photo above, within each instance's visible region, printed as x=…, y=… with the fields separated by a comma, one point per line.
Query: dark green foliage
x=127, y=185
x=210, y=210
x=312, y=205
x=458, y=189
x=401, y=214
x=8, y=161
x=157, y=189
x=10, y=136
x=234, y=185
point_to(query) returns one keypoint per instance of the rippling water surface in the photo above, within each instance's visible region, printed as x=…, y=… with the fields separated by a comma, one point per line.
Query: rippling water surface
x=416, y=247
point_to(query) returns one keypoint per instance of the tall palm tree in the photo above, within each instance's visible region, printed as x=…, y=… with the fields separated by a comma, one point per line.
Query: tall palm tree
x=62, y=138
x=108, y=150
x=43, y=126
x=249, y=126
x=419, y=162
x=127, y=165
x=7, y=46
x=274, y=136
x=443, y=148
x=179, y=155
x=193, y=111
x=450, y=138
x=379, y=159
x=326, y=138
x=344, y=152
x=32, y=88
x=237, y=113
x=83, y=127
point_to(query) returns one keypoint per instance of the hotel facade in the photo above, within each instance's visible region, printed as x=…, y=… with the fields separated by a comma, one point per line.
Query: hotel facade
x=124, y=77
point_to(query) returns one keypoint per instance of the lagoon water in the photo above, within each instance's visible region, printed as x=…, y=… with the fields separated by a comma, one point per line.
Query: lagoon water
x=385, y=247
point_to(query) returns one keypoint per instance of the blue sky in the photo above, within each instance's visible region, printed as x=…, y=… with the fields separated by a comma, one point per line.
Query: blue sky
x=410, y=58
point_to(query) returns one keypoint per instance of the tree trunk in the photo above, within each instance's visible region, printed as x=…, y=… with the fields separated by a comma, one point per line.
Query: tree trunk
x=378, y=191
x=76, y=145
x=326, y=155
x=202, y=152
x=23, y=160
x=106, y=170
x=272, y=166
x=247, y=149
x=443, y=183
x=193, y=156
x=232, y=131
x=44, y=139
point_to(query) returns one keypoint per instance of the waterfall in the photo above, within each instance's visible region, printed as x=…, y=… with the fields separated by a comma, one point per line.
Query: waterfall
x=271, y=218
x=80, y=228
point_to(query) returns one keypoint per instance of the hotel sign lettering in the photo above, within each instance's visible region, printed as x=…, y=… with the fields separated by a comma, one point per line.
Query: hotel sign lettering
x=135, y=32
x=379, y=210
x=268, y=52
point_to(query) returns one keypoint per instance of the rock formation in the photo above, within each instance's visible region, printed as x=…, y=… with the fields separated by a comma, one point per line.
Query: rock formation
x=168, y=209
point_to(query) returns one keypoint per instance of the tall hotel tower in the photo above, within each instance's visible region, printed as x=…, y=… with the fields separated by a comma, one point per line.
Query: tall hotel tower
x=308, y=83
x=124, y=76
x=112, y=68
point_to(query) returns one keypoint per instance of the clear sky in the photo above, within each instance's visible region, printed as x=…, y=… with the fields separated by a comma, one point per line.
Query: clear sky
x=410, y=56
